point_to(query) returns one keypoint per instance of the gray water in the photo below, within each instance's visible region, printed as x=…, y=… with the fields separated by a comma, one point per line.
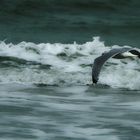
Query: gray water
x=66, y=21
x=30, y=60
x=68, y=113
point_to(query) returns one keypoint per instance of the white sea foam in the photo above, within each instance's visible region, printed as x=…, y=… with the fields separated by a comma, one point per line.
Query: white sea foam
x=69, y=64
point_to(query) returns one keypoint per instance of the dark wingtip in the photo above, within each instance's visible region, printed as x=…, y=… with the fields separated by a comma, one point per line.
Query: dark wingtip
x=94, y=80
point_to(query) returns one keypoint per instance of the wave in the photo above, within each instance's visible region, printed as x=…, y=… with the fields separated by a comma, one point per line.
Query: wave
x=64, y=64
x=48, y=11
x=54, y=5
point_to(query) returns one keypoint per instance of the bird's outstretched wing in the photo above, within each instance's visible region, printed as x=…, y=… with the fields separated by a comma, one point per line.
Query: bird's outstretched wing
x=99, y=61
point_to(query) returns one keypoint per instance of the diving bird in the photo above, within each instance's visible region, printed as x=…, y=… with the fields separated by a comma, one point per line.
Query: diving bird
x=118, y=53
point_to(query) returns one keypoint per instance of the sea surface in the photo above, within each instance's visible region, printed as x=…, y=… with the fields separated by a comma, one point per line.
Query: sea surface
x=47, y=48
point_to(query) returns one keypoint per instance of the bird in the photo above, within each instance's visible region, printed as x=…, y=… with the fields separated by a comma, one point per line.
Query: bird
x=118, y=53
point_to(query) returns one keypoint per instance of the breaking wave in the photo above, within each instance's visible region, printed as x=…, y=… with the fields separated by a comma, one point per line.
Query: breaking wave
x=65, y=64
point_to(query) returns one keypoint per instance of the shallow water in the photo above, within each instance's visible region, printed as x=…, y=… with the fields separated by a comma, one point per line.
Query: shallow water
x=68, y=113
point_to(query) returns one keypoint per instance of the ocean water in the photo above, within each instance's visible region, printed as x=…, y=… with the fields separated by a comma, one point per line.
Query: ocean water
x=47, y=48
x=65, y=21
x=68, y=113
x=65, y=65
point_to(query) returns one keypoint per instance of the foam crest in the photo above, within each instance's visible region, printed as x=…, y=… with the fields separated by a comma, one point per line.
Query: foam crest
x=65, y=64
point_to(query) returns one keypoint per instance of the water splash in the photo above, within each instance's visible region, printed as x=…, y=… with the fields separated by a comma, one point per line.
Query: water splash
x=64, y=64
